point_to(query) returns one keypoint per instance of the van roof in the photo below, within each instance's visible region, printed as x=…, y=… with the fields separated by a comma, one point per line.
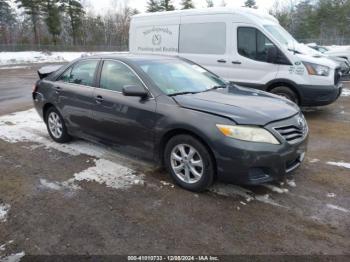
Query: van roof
x=249, y=13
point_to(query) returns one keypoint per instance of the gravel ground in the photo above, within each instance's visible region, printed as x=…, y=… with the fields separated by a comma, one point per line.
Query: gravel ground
x=84, y=198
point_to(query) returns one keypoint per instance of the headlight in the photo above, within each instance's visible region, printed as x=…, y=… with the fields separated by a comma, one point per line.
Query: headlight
x=248, y=133
x=317, y=70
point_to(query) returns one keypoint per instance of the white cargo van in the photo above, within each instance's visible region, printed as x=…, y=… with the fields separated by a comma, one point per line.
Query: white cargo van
x=241, y=45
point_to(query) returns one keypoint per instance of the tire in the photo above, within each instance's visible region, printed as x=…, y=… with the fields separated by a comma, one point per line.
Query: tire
x=286, y=92
x=56, y=126
x=194, y=173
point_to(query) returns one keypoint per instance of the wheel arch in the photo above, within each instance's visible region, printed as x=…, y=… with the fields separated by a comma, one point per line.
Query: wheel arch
x=46, y=108
x=284, y=82
x=182, y=131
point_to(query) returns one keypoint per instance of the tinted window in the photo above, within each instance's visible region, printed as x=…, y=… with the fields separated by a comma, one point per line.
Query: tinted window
x=65, y=77
x=116, y=75
x=82, y=73
x=253, y=44
x=206, y=38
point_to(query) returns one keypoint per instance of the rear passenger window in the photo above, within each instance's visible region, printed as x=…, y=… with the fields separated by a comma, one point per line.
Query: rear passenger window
x=203, y=38
x=115, y=75
x=253, y=44
x=82, y=73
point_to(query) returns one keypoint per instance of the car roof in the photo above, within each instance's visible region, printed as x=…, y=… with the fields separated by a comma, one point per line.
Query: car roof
x=131, y=57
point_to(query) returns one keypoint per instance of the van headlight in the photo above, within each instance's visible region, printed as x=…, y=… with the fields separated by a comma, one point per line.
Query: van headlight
x=315, y=69
x=248, y=133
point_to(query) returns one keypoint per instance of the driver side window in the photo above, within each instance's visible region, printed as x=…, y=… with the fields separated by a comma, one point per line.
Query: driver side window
x=253, y=44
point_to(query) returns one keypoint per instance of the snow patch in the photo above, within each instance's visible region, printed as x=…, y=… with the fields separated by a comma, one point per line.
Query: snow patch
x=13, y=67
x=331, y=195
x=4, y=209
x=291, y=182
x=109, y=173
x=345, y=92
x=10, y=58
x=340, y=164
x=267, y=200
x=104, y=172
x=13, y=257
x=276, y=188
x=338, y=208
x=315, y=160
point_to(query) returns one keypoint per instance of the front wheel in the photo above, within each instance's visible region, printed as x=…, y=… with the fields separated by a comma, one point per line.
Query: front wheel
x=189, y=162
x=286, y=92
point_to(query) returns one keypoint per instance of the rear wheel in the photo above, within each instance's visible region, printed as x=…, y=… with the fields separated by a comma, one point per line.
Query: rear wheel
x=56, y=126
x=189, y=163
x=286, y=92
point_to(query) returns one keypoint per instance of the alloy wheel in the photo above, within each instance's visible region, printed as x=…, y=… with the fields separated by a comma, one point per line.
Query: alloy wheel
x=187, y=163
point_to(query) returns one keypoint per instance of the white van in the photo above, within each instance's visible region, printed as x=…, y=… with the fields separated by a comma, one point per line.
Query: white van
x=242, y=45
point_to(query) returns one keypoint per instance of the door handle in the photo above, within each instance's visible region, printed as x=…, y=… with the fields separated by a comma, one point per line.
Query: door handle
x=221, y=61
x=99, y=99
x=236, y=62
x=58, y=89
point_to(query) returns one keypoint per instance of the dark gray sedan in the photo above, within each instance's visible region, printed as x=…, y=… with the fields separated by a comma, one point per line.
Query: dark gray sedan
x=177, y=113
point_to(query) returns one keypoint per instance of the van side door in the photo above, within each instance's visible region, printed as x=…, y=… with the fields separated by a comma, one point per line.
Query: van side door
x=249, y=58
x=203, y=39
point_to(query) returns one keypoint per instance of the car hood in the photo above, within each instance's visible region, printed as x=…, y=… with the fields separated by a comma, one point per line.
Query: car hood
x=242, y=105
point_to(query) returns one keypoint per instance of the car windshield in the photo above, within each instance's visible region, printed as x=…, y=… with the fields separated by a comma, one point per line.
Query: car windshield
x=282, y=36
x=179, y=77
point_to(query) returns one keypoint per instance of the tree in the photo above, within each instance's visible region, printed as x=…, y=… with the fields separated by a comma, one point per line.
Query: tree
x=51, y=13
x=75, y=12
x=7, y=18
x=250, y=4
x=153, y=6
x=210, y=3
x=187, y=4
x=32, y=8
x=166, y=5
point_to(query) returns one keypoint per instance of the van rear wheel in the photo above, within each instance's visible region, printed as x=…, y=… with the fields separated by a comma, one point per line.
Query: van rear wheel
x=286, y=92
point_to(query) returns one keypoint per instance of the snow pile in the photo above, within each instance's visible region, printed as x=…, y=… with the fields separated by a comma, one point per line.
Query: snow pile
x=340, y=164
x=27, y=57
x=4, y=209
x=345, y=92
x=109, y=173
x=13, y=257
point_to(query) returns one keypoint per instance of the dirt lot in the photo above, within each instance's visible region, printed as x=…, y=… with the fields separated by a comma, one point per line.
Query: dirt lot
x=88, y=199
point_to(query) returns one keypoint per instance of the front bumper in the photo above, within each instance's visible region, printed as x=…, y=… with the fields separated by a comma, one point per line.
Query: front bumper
x=253, y=163
x=311, y=95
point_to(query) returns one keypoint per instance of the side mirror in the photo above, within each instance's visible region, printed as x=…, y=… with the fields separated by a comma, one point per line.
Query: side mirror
x=135, y=90
x=272, y=54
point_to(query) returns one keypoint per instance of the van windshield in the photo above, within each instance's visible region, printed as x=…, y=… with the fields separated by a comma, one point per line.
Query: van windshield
x=175, y=77
x=282, y=36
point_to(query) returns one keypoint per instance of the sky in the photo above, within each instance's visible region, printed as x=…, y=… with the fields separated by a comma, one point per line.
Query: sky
x=100, y=6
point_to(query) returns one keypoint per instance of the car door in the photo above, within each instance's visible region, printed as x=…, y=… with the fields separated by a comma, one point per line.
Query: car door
x=203, y=39
x=248, y=59
x=123, y=120
x=74, y=94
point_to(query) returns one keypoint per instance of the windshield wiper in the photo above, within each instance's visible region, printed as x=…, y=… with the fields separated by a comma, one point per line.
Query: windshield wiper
x=183, y=93
x=216, y=87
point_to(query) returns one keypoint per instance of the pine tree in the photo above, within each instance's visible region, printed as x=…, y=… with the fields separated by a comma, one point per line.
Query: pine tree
x=210, y=3
x=51, y=13
x=75, y=12
x=166, y=5
x=153, y=6
x=250, y=4
x=7, y=18
x=32, y=8
x=187, y=4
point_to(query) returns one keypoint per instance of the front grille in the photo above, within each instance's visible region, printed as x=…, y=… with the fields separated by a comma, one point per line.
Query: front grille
x=290, y=133
x=337, y=76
